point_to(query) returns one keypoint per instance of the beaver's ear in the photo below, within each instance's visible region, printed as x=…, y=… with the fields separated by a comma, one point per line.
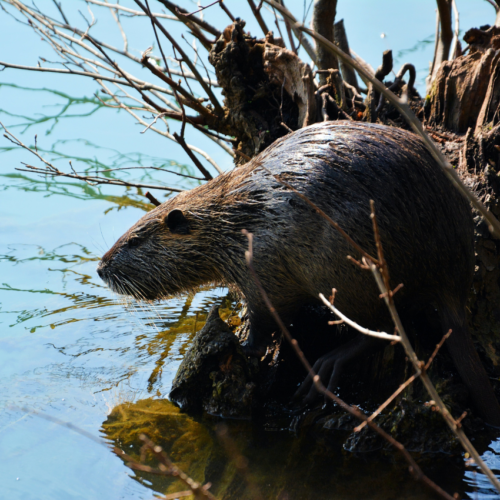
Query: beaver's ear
x=177, y=223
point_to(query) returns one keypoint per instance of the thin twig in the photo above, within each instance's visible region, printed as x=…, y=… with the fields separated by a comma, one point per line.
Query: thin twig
x=203, y=8
x=117, y=6
x=436, y=350
x=363, y=330
x=96, y=76
x=51, y=170
x=256, y=13
x=403, y=386
x=382, y=277
x=186, y=59
x=152, y=199
x=388, y=401
x=199, y=166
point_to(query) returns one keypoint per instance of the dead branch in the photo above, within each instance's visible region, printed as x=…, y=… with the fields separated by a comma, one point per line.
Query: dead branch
x=381, y=274
x=186, y=59
x=373, y=97
x=96, y=76
x=348, y=74
x=189, y=100
x=388, y=401
x=445, y=37
x=359, y=328
x=222, y=5
x=380, y=271
x=323, y=19
x=180, y=140
x=181, y=14
x=456, y=31
x=436, y=350
x=116, y=17
x=116, y=6
x=152, y=199
x=258, y=17
x=407, y=90
x=51, y=170
x=160, y=132
x=403, y=386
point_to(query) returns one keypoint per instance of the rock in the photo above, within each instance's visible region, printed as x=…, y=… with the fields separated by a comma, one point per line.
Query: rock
x=215, y=375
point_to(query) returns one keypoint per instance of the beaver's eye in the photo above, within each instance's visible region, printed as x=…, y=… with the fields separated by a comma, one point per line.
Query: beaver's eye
x=134, y=242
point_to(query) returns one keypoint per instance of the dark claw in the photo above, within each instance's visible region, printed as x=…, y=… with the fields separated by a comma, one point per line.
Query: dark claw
x=329, y=367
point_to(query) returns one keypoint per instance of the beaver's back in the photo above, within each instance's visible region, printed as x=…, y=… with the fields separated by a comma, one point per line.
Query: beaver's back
x=425, y=224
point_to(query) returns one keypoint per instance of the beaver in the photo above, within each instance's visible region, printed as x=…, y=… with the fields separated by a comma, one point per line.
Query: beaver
x=425, y=225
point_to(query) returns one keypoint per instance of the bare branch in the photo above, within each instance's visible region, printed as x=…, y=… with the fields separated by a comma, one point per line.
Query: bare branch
x=436, y=350
x=152, y=199
x=322, y=21
x=381, y=275
x=258, y=16
x=138, y=84
x=445, y=37
x=494, y=5
x=165, y=134
x=114, y=13
x=402, y=387
x=359, y=328
x=348, y=74
x=59, y=8
x=186, y=59
x=181, y=14
x=388, y=401
x=180, y=140
x=117, y=6
x=190, y=100
x=456, y=31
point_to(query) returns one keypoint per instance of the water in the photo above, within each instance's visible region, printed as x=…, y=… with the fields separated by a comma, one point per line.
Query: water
x=72, y=350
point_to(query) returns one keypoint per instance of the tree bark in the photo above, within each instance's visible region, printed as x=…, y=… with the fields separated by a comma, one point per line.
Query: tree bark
x=465, y=100
x=348, y=74
x=445, y=37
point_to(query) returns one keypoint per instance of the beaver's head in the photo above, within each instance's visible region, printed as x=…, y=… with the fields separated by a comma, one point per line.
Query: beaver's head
x=158, y=257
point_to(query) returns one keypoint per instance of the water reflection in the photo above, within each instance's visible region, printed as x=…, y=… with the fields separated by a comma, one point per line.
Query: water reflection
x=248, y=463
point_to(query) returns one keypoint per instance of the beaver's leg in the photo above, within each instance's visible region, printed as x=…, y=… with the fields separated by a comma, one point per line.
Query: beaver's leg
x=329, y=367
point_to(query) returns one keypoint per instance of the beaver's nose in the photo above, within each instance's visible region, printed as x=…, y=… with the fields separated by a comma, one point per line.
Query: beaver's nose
x=100, y=272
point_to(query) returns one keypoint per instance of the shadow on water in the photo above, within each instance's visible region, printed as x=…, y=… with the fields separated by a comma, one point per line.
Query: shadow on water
x=266, y=465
